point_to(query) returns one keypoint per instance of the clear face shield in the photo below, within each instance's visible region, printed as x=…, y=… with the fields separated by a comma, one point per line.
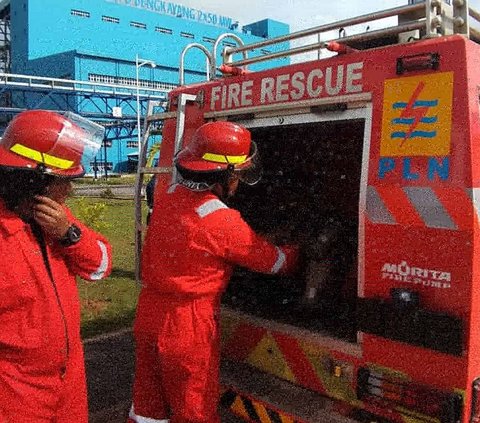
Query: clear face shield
x=86, y=141
x=250, y=172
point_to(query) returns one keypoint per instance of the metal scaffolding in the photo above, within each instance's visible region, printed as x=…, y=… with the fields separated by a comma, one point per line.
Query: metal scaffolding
x=113, y=105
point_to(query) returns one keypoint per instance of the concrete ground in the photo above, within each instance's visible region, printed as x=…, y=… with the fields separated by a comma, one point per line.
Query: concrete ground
x=110, y=367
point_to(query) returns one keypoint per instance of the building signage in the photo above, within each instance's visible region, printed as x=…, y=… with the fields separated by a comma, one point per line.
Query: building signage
x=319, y=82
x=177, y=10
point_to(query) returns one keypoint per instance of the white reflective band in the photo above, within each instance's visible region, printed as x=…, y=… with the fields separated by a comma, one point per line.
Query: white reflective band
x=172, y=188
x=280, y=261
x=425, y=202
x=429, y=208
x=209, y=207
x=140, y=419
x=100, y=272
x=474, y=194
x=377, y=211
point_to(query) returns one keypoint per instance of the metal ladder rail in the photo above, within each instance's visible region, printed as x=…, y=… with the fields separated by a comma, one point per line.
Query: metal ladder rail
x=322, y=28
x=474, y=32
x=225, y=53
x=181, y=68
x=150, y=119
x=437, y=17
x=344, y=40
x=139, y=180
x=211, y=56
x=183, y=99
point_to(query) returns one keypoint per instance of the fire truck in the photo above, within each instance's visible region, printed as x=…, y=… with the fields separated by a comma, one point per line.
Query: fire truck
x=371, y=157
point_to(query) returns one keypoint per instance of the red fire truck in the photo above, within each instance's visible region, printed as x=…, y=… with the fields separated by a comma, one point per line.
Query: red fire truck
x=371, y=161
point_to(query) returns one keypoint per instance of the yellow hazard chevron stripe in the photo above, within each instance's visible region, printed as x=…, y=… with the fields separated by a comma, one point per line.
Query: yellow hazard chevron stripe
x=253, y=410
x=297, y=360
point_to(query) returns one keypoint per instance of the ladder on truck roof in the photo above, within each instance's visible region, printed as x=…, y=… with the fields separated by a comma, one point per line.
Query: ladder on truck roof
x=428, y=19
x=416, y=20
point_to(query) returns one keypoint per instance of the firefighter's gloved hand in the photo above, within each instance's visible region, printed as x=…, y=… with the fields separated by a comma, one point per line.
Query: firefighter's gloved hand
x=51, y=217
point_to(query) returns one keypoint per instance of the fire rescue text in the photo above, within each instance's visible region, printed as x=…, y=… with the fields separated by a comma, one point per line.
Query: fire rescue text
x=330, y=81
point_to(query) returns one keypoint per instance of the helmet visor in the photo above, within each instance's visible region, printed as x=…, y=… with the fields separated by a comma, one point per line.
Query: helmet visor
x=85, y=137
x=250, y=172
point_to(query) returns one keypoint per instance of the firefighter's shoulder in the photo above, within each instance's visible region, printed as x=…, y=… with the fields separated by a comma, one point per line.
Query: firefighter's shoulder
x=213, y=207
x=214, y=213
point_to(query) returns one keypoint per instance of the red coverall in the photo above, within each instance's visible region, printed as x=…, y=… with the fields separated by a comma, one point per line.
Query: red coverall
x=192, y=244
x=42, y=376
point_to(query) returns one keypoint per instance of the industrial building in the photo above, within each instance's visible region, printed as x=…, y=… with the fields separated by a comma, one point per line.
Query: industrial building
x=102, y=58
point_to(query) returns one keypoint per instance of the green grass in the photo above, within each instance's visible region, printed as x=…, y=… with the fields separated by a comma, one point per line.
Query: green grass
x=110, y=304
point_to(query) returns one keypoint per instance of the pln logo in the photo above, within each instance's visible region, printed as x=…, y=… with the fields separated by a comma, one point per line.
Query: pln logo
x=417, y=116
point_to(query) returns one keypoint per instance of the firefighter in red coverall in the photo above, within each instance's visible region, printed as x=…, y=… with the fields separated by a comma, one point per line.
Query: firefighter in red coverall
x=192, y=244
x=43, y=247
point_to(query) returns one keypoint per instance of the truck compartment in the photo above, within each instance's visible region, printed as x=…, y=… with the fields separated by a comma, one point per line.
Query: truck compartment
x=308, y=195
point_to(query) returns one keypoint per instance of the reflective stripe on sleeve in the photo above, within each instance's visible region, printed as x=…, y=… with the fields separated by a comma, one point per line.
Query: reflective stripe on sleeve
x=281, y=258
x=100, y=272
x=209, y=207
x=139, y=419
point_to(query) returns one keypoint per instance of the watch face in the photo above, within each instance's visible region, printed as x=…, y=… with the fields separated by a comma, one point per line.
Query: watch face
x=72, y=236
x=74, y=233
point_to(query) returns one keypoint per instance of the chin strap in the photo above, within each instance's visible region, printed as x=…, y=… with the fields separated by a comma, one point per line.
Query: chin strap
x=194, y=186
x=223, y=181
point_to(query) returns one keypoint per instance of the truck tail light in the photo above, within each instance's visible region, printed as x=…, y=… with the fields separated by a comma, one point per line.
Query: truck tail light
x=475, y=412
x=418, y=62
x=408, y=398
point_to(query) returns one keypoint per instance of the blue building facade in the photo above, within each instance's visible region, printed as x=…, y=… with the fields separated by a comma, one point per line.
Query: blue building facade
x=99, y=40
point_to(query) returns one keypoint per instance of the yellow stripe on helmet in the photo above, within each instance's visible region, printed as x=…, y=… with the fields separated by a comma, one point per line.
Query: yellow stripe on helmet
x=221, y=158
x=39, y=157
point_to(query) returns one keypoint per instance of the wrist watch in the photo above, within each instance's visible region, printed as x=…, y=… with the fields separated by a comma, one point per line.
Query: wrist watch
x=72, y=236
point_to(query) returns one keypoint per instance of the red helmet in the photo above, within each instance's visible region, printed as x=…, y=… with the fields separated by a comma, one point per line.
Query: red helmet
x=58, y=142
x=221, y=145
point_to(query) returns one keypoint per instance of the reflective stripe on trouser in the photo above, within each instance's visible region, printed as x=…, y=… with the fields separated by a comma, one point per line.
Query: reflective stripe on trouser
x=134, y=418
x=177, y=368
